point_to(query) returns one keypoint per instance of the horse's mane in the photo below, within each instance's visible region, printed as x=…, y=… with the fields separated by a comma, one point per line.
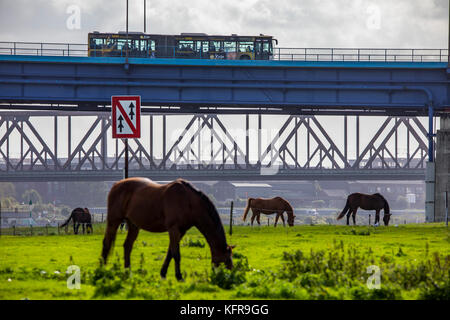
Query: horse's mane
x=379, y=195
x=210, y=208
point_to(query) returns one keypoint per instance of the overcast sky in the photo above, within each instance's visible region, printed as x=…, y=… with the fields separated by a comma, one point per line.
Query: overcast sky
x=306, y=23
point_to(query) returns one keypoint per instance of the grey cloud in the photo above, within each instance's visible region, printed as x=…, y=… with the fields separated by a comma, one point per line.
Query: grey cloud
x=306, y=23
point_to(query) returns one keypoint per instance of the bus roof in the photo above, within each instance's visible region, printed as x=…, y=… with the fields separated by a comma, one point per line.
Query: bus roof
x=181, y=34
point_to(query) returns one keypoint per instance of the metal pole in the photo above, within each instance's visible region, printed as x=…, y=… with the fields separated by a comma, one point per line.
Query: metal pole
x=446, y=208
x=127, y=34
x=145, y=11
x=0, y=218
x=231, y=219
x=125, y=174
x=430, y=134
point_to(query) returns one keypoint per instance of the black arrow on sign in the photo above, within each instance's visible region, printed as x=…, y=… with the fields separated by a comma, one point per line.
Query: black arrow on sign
x=120, y=123
x=131, y=114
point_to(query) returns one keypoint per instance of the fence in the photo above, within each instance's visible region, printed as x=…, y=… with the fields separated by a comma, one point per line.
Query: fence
x=279, y=53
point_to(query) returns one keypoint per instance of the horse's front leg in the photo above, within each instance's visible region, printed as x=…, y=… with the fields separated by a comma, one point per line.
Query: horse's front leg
x=282, y=219
x=377, y=216
x=82, y=225
x=175, y=236
x=276, y=219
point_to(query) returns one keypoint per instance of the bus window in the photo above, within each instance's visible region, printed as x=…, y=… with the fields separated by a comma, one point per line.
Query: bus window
x=186, y=45
x=98, y=43
x=205, y=46
x=215, y=46
x=266, y=47
x=122, y=46
x=246, y=46
x=110, y=43
x=229, y=46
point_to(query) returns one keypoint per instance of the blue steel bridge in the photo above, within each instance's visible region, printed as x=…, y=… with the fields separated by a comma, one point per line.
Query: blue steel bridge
x=304, y=85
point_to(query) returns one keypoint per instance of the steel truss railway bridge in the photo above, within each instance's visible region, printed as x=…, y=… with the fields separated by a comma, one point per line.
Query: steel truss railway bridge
x=303, y=88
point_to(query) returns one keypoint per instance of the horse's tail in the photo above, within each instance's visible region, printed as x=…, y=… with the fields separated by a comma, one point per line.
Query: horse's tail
x=68, y=220
x=247, y=208
x=346, y=208
x=116, y=207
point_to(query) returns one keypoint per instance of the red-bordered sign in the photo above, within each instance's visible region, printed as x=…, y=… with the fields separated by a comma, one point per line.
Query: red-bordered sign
x=126, y=116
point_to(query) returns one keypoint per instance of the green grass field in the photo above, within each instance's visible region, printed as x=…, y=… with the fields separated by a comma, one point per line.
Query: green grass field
x=302, y=262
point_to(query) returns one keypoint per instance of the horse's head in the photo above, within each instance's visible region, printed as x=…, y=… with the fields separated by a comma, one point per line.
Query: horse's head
x=386, y=218
x=87, y=210
x=291, y=219
x=225, y=257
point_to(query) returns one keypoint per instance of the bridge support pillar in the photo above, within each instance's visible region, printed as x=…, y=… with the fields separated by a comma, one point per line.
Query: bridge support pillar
x=429, y=191
x=442, y=170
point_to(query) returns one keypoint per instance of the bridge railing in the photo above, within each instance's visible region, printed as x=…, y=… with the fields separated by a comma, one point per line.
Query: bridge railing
x=361, y=54
x=279, y=53
x=43, y=49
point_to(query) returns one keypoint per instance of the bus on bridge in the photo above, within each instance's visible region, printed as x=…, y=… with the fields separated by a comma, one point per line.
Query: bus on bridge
x=185, y=45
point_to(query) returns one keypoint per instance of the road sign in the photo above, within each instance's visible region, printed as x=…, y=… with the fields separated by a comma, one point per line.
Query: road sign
x=126, y=116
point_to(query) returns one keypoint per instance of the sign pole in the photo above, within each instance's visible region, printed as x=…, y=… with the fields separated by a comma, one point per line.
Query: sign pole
x=125, y=174
x=231, y=219
x=446, y=208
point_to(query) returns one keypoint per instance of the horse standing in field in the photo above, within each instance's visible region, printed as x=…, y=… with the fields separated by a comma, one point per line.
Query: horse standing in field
x=174, y=207
x=80, y=216
x=276, y=205
x=366, y=202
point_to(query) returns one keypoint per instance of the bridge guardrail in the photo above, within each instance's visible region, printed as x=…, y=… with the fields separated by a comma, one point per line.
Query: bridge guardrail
x=279, y=53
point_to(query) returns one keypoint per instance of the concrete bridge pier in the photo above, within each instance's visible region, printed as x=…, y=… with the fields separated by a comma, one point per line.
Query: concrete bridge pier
x=442, y=168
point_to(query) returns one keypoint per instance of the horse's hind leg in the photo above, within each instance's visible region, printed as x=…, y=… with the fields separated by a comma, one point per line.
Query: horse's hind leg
x=253, y=218
x=354, y=216
x=348, y=216
x=110, y=235
x=128, y=244
x=276, y=220
x=257, y=219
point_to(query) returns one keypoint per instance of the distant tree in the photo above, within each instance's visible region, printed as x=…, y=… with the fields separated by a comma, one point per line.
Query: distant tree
x=7, y=189
x=32, y=195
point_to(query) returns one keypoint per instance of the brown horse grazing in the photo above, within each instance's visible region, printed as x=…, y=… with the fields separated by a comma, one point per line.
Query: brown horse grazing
x=80, y=216
x=276, y=205
x=366, y=202
x=174, y=207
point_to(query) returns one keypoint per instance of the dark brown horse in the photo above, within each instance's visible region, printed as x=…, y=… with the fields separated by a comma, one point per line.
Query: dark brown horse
x=366, y=202
x=80, y=216
x=174, y=207
x=276, y=205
